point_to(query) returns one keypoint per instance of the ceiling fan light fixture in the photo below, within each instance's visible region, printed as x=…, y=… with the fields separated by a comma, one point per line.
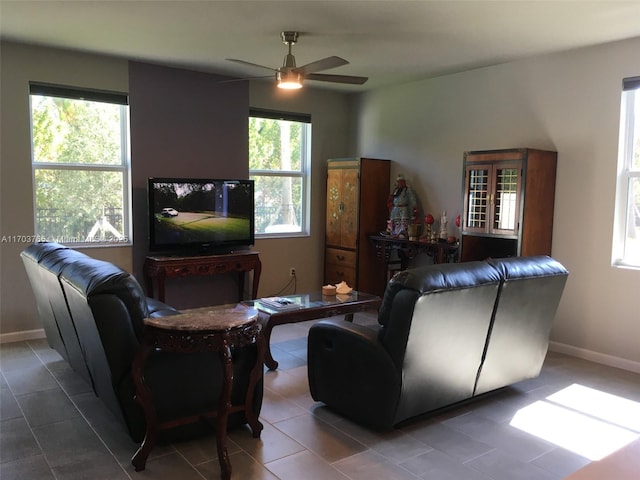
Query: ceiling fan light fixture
x=291, y=77
x=289, y=80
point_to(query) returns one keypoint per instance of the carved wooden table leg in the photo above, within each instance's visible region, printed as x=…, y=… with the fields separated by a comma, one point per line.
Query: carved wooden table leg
x=267, y=327
x=257, y=374
x=223, y=411
x=143, y=397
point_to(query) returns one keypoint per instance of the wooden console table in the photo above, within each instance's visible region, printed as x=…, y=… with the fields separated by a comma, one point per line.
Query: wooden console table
x=440, y=252
x=159, y=268
x=201, y=329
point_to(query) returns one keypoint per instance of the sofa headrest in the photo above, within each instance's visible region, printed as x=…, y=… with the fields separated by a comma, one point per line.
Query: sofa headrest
x=91, y=277
x=513, y=268
x=57, y=260
x=38, y=251
x=438, y=277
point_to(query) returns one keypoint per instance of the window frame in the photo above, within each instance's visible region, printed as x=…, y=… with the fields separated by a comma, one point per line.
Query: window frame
x=124, y=167
x=626, y=173
x=304, y=174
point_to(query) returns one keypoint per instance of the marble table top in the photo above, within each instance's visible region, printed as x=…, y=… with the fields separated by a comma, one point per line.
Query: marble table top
x=218, y=318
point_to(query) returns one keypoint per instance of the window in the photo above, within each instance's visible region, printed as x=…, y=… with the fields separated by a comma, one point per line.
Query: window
x=80, y=159
x=279, y=163
x=627, y=218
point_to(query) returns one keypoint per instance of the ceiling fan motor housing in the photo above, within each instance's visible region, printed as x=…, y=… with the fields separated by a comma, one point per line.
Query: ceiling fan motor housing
x=289, y=38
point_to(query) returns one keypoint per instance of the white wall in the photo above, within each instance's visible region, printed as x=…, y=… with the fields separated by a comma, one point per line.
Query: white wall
x=568, y=102
x=21, y=64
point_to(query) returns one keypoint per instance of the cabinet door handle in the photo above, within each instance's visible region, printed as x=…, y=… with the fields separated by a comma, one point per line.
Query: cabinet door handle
x=341, y=208
x=340, y=257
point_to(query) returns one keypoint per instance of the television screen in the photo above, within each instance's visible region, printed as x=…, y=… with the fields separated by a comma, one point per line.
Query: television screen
x=200, y=215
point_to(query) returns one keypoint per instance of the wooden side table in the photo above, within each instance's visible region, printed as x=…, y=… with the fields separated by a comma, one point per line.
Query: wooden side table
x=202, y=329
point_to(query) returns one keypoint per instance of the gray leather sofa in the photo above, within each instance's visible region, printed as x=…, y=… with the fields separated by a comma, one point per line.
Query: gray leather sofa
x=446, y=333
x=92, y=312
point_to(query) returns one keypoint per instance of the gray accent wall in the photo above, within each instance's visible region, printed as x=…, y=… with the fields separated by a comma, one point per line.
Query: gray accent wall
x=185, y=124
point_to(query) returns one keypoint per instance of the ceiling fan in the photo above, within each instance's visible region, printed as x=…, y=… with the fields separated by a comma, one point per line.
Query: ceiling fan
x=290, y=76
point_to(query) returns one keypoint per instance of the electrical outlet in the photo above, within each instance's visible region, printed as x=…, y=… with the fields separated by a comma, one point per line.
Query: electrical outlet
x=292, y=272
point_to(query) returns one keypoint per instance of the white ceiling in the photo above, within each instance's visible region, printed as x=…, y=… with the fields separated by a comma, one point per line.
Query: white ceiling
x=389, y=41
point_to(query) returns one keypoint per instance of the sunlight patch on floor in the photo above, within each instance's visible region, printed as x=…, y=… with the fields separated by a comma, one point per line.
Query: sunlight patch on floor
x=586, y=421
x=607, y=407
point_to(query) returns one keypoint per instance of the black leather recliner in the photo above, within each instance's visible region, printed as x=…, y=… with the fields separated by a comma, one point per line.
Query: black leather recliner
x=446, y=333
x=43, y=264
x=93, y=315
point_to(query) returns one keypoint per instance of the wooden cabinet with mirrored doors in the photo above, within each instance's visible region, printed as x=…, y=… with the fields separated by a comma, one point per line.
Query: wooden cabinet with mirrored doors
x=508, y=203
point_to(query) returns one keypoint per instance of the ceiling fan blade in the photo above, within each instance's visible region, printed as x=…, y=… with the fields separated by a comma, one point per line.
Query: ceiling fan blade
x=319, y=65
x=245, y=79
x=250, y=64
x=336, y=78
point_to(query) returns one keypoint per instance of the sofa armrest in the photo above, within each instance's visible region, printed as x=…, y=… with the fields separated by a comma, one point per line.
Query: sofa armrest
x=159, y=309
x=351, y=372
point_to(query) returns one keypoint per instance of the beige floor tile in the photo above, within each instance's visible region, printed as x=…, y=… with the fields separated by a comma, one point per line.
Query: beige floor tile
x=276, y=407
x=394, y=445
x=304, y=465
x=168, y=466
x=321, y=438
x=272, y=444
x=243, y=467
x=290, y=386
x=205, y=449
x=370, y=465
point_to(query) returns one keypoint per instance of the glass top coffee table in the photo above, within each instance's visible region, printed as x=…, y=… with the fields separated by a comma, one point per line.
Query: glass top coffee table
x=309, y=306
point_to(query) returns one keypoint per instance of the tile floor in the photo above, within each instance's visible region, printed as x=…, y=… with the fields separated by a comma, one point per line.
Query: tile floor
x=53, y=427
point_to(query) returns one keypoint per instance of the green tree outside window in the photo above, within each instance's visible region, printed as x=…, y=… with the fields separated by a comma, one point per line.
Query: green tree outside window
x=80, y=168
x=279, y=163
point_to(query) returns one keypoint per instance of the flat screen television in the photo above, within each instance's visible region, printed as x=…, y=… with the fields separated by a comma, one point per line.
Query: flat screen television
x=200, y=216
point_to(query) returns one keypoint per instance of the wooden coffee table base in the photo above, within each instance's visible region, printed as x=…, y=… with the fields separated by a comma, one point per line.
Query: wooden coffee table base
x=312, y=306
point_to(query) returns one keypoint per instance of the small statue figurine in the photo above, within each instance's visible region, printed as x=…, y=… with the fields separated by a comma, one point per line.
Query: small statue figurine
x=444, y=227
x=401, y=204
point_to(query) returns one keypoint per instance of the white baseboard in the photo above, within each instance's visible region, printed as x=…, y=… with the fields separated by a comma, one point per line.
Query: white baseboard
x=596, y=357
x=22, y=336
